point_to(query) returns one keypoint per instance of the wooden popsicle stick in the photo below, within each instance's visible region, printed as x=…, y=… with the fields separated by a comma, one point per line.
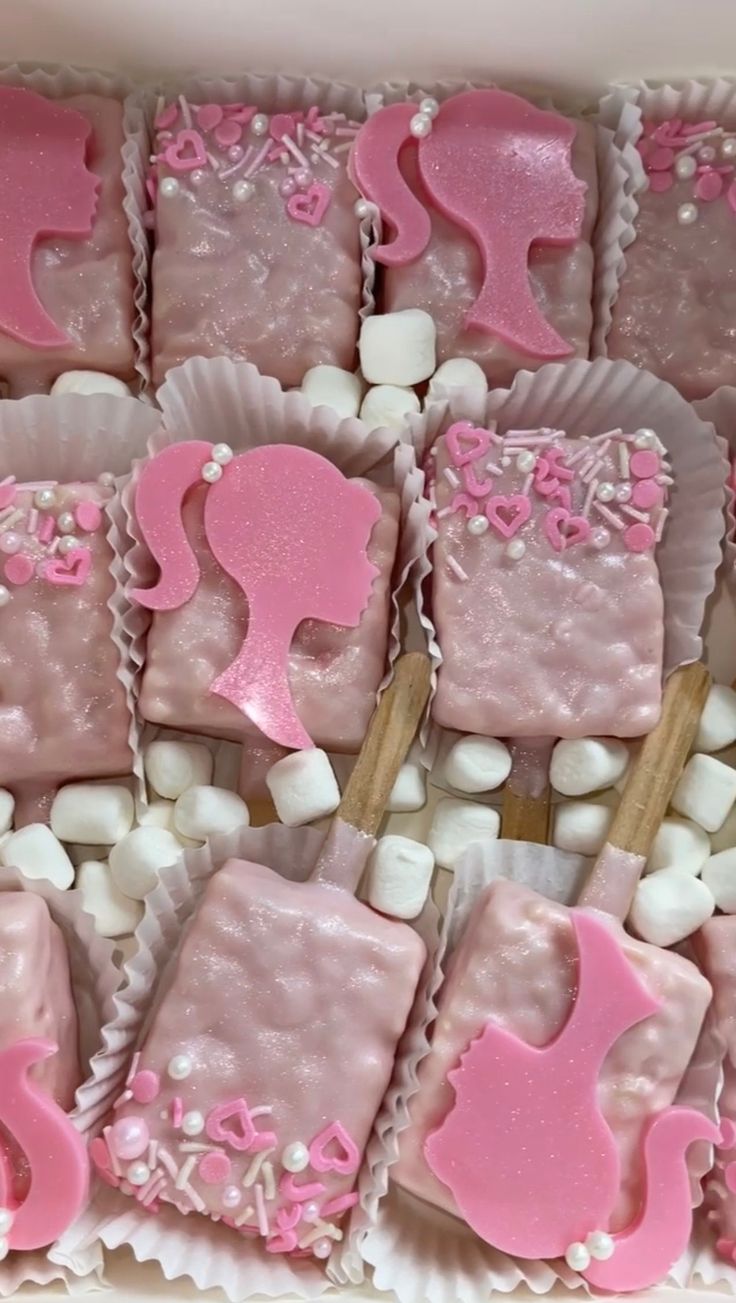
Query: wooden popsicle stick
x=526, y=797
x=390, y=734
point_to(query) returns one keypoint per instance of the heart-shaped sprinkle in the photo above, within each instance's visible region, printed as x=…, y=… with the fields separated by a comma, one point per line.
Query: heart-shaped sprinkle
x=70, y=570
x=309, y=206
x=461, y=502
x=186, y=152
x=466, y=443
x=231, y=1124
x=344, y=1156
x=477, y=488
x=507, y=514
x=564, y=530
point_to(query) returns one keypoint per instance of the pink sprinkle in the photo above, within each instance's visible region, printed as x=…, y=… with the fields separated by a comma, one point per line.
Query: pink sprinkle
x=99, y=1154
x=177, y=1111
x=708, y=186
x=661, y=160
x=608, y=515
x=644, y=464
x=133, y=1067
x=660, y=182
x=32, y=521
x=167, y=117
x=261, y=1210
x=88, y=516
x=214, y=1168
x=696, y=128
x=639, y=538
x=228, y=132
x=456, y=569
x=451, y=477
x=19, y=569
x=46, y=532
x=209, y=116
x=7, y=493
x=145, y=1086
x=646, y=494
x=335, y=1206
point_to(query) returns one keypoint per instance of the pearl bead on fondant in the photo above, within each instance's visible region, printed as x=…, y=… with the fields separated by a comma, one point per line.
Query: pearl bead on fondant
x=169, y=187
x=6, y=1220
x=599, y=537
x=231, y=1197
x=211, y=472
x=106, y=479
x=477, y=525
x=192, y=1124
x=322, y=1248
x=222, y=453
x=243, y=191
x=10, y=542
x=526, y=461
x=515, y=549
x=645, y=438
x=129, y=1138
x=728, y=148
x=687, y=214
x=706, y=154
x=310, y=1211
x=179, y=1067
x=295, y=1157
x=600, y=1246
x=605, y=492
x=420, y=125
x=197, y=176
x=67, y=544
x=429, y=107
x=577, y=1257
x=45, y=499
x=259, y=124
x=362, y=209
x=66, y=522
x=138, y=1173
x=685, y=167
x=4, y=595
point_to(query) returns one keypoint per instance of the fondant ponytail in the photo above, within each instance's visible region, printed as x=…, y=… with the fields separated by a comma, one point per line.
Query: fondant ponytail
x=159, y=498
x=375, y=169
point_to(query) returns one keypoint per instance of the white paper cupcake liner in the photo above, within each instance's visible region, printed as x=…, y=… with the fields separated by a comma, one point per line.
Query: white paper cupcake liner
x=209, y=1254
x=720, y=409
x=95, y=980
x=57, y=81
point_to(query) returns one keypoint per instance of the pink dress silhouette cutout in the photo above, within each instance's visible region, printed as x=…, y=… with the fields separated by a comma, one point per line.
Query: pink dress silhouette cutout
x=501, y=169
x=291, y=530
x=55, y=1151
x=46, y=189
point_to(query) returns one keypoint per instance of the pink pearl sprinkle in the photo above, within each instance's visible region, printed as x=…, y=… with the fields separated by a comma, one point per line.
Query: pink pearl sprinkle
x=129, y=1137
x=214, y=1168
x=322, y=1248
x=660, y=160
x=659, y=182
x=145, y=1086
x=231, y=1197
x=647, y=494
x=88, y=516
x=19, y=569
x=209, y=116
x=228, y=132
x=644, y=464
x=708, y=186
x=639, y=538
x=10, y=541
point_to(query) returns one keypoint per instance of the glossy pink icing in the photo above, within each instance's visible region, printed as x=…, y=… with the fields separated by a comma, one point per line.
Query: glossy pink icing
x=252, y=279
x=581, y=611
x=516, y=965
x=63, y=711
x=446, y=279
x=276, y=986
x=84, y=284
x=334, y=672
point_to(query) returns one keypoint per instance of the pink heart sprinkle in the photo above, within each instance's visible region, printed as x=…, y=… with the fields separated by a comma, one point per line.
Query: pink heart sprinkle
x=660, y=160
x=19, y=569
x=659, y=182
x=564, y=530
x=708, y=186
x=209, y=115
x=228, y=132
x=309, y=206
x=507, y=514
x=465, y=443
x=186, y=152
x=70, y=570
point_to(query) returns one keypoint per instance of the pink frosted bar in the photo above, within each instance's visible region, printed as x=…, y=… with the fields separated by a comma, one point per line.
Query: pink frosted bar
x=290, y=999
x=558, y=643
x=516, y=964
x=335, y=672
x=715, y=947
x=86, y=285
x=674, y=311
x=446, y=279
x=243, y=278
x=63, y=710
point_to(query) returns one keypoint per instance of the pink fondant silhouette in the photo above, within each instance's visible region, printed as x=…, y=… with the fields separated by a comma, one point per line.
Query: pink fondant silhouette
x=501, y=169
x=45, y=189
x=54, y=1149
x=292, y=532
x=527, y=1154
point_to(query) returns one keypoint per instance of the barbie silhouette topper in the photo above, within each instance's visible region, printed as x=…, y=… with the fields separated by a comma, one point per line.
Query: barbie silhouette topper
x=292, y=532
x=529, y=1158
x=498, y=167
x=46, y=189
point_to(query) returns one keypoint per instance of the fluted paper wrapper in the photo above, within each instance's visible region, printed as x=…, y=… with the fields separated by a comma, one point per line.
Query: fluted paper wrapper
x=720, y=409
x=57, y=81
x=215, y=398
x=590, y=398
x=210, y=1254
x=95, y=980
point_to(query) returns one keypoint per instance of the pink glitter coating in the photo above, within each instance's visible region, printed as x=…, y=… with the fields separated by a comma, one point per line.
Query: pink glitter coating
x=215, y=1168
x=644, y=464
x=88, y=516
x=145, y=1086
x=19, y=569
x=639, y=537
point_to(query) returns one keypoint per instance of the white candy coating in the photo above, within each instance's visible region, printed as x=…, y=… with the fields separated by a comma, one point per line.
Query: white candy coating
x=456, y=825
x=400, y=874
x=89, y=382
x=409, y=792
x=115, y=915
x=330, y=386
x=706, y=791
x=679, y=844
x=719, y=874
x=38, y=854
x=717, y=727
x=398, y=348
x=202, y=812
x=586, y=764
x=457, y=373
x=388, y=405
x=7, y=806
x=172, y=767
x=477, y=764
x=303, y=787
x=669, y=905
x=581, y=826
x=138, y=859
x=93, y=813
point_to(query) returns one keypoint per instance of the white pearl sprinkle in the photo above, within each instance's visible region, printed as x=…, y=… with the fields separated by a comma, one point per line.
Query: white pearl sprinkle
x=169, y=187
x=295, y=1157
x=4, y=1248
x=599, y=538
x=526, y=461
x=106, y=479
x=322, y=1248
x=197, y=176
x=179, y=1067
x=362, y=209
x=600, y=1246
x=138, y=1173
x=706, y=154
x=222, y=453
x=605, y=491
x=420, y=125
x=728, y=148
x=7, y=1218
x=66, y=522
x=515, y=549
x=67, y=544
x=429, y=106
x=687, y=214
x=644, y=438
x=192, y=1124
x=577, y=1256
x=45, y=499
x=685, y=167
x=623, y=492
x=477, y=525
x=4, y=595
x=211, y=472
x=259, y=124
x=231, y=1197
x=243, y=191
x=310, y=1211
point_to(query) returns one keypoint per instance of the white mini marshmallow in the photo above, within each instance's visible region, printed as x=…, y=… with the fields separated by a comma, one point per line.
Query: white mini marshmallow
x=330, y=386
x=115, y=915
x=585, y=764
x=669, y=905
x=456, y=824
x=89, y=382
x=7, y=806
x=78, y=852
x=156, y=814
x=706, y=791
x=303, y=787
x=581, y=826
x=725, y=836
x=457, y=373
x=37, y=853
x=398, y=348
x=679, y=844
x=719, y=874
x=477, y=764
x=95, y=813
x=409, y=792
x=138, y=859
x=172, y=767
x=717, y=727
x=202, y=812
x=400, y=874
x=387, y=405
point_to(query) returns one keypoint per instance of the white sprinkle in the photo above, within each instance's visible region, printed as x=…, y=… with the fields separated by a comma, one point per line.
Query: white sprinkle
x=493, y=468
x=194, y=1148
x=659, y=529
x=213, y=162
x=185, y=1172
x=123, y=1099
x=269, y=1183
x=53, y=547
x=580, y=454
x=254, y=166
x=152, y=1154
x=17, y=515
x=623, y=460
x=342, y=149
x=261, y=1213
x=32, y=522
x=526, y=486
x=610, y=516
x=636, y=515
x=186, y=115
x=451, y=477
x=255, y=1166
x=319, y=1229
x=311, y=135
x=332, y=161
x=665, y=479
x=587, y=475
x=153, y=1189
x=164, y=1157
x=446, y=511
x=259, y=1112
x=294, y=150
x=245, y=1216
x=197, y=1203
x=518, y=439
x=245, y=161
x=345, y=131
x=456, y=568
x=607, y=434
x=589, y=496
